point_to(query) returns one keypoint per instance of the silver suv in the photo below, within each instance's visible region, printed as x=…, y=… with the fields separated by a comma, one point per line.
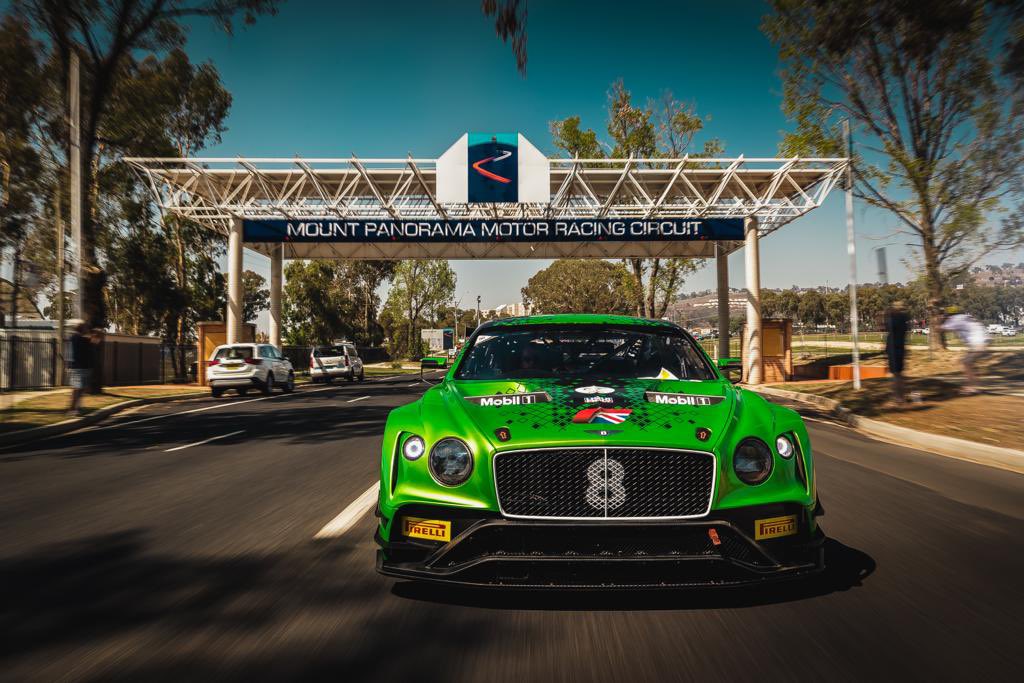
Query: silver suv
x=248, y=366
x=334, y=361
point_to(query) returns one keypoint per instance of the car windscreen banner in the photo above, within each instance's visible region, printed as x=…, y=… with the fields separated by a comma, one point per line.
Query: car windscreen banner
x=503, y=230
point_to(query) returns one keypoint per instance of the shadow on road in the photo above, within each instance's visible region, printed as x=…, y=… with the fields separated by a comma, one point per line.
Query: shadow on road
x=111, y=606
x=845, y=568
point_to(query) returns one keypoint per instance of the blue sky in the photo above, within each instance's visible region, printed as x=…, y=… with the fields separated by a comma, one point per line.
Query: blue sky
x=391, y=78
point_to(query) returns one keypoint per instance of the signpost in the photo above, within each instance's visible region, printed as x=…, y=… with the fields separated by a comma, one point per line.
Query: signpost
x=533, y=230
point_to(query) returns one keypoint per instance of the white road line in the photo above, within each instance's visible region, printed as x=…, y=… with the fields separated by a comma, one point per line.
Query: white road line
x=199, y=410
x=350, y=515
x=353, y=400
x=414, y=384
x=200, y=443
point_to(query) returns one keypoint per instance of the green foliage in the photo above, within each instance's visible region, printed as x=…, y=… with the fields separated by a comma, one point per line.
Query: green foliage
x=109, y=37
x=665, y=128
x=327, y=300
x=579, y=286
x=942, y=136
x=255, y=297
x=419, y=287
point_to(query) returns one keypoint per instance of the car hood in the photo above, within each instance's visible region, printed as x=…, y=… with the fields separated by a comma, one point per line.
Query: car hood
x=562, y=412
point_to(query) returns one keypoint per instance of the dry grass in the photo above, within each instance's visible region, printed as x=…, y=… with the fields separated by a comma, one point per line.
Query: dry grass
x=51, y=407
x=936, y=405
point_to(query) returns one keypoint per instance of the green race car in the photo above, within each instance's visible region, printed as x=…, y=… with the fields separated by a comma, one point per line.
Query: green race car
x=589, y=451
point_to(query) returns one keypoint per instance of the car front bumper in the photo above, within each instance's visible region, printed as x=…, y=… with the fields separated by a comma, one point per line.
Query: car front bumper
x=717, y=550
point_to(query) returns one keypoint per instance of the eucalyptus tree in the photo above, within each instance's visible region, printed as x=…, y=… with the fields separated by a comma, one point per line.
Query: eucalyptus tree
x=938, y=117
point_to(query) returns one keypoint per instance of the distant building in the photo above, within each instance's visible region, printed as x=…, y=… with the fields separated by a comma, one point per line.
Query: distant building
x=994, y=276
x=511, y=310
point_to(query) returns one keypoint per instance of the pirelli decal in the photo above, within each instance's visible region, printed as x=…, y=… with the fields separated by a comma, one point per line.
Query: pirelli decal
x=774, y=527
x=681, y=399
x=429, y=529
x=501, y=400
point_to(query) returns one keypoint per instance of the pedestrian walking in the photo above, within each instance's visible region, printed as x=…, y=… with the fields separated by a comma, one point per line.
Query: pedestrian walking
x=972, y=334
x=81, y=363
x=896, y=324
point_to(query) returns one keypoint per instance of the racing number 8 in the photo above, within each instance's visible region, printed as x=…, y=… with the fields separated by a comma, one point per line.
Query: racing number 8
x=606, y=490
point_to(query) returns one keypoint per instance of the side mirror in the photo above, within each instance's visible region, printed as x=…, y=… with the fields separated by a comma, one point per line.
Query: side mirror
x=433, y=362
x=732, y=368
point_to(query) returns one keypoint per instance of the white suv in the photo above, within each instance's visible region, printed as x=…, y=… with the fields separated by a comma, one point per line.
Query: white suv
x=336, y=360
x=248, y=366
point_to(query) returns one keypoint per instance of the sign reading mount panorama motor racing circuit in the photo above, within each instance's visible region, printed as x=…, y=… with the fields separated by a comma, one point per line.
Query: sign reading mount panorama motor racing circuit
x=498, y=230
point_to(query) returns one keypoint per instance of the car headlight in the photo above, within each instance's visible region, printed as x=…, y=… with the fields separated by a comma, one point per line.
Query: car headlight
x=413, y=448
x=785, y=447
x=451, y=462
x=752, y=461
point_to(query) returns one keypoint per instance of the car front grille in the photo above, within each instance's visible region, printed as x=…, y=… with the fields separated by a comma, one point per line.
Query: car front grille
x=604, y=483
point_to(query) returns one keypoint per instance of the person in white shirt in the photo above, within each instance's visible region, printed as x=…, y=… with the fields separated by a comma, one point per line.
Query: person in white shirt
x=972, y=334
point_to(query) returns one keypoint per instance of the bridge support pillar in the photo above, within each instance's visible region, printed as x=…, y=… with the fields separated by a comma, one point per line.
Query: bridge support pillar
x=753, y=364
x=276, y=264
x=722, y=264
x=234, y=312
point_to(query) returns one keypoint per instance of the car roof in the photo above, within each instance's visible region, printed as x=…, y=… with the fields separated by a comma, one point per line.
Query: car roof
x=598, y=319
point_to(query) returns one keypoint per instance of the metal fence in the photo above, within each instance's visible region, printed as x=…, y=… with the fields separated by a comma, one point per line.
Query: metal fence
x=28, y=363
x=37, y=364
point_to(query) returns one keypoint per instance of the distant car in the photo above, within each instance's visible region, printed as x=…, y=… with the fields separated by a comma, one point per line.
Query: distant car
x=919, y=330
x=248, y=366
x=333, y=361
x=1010, y=331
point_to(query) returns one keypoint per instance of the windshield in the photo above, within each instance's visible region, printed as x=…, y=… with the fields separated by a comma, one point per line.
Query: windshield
x=234, y=353
x=329, y=351
x=583, y=352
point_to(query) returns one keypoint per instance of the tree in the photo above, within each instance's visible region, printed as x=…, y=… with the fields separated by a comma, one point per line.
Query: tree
x=418, y=285
x=509, y=24
x=941, y=133
x=20, y=165
x=256, y=297
x=578, y=286
x=665, y=128
x=317, y=306
x=106, y=35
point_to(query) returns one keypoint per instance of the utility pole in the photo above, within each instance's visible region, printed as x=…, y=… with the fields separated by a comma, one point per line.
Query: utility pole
x=60, y=286
x=851, y=249
x=75, y=162
x=478, y=310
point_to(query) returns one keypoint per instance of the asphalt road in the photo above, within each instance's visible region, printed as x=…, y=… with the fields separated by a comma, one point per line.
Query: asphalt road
x=125, y=556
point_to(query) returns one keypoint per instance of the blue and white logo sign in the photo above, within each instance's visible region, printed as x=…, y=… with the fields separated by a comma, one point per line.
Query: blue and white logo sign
x=493, y=168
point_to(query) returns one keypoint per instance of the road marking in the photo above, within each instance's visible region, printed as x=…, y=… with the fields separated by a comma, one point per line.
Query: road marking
x=414, y=384
x=200, y=443
x=350, y=515
x=199, y=410
x=353, y=400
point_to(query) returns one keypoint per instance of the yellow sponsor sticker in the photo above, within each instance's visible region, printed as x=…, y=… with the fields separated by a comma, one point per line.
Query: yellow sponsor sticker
x=430, y=529
x=773, y=527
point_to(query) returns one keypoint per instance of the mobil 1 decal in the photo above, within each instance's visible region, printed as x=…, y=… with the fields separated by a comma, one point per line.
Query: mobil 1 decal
x=663, y=398
x=516, y=399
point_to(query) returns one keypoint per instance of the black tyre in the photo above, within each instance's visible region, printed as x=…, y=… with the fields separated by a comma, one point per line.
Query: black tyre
x=216, y=393
x=289, y=386
x=362, y=375
x=268, y=386
x=243, y=391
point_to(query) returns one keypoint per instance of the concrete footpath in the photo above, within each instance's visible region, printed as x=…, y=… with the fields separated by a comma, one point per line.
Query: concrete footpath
x=950, y=447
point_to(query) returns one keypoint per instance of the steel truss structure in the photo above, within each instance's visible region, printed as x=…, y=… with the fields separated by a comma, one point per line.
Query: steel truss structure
x=214, y=191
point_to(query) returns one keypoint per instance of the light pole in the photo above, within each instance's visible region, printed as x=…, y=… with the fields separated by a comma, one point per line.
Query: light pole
x=478, y=310
x=851, y=249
